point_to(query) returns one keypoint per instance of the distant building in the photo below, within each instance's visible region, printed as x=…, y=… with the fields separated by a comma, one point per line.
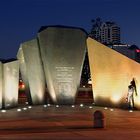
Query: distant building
x=108, y=33
x=105, y=32
x=131, y=51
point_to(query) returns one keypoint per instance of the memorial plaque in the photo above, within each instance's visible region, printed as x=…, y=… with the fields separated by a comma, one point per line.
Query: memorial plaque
x=62, y=51
x=111, y=73
x=32, y=71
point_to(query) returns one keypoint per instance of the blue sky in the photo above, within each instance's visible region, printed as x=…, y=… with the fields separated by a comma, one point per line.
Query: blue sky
x=21, y=19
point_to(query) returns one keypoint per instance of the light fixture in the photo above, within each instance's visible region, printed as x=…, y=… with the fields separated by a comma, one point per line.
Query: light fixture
x=81, y=105
x=18, y=109
x=3, y=111
x=105, y=108
x=26, y=103
x=24, y=108
x=45, y=105
x=73, y=106
x=111, y=109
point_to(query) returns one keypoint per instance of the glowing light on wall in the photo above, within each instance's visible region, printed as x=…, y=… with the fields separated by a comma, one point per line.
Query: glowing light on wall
x=115, y=98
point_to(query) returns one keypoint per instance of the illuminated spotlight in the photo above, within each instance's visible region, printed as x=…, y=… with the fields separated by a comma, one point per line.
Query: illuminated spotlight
x=105, y=108
x=45, y=105
x=26, y=103
x=29, y=107
x=8, y=105
x=22, y=86
x=130, y=110
x=89, y=81
x=81, y=105
x=73, y=106
x=3, y=111
x=111, y=109
x=90, y=107
x=18, y=110
x=57, y=105
x=24, y=108
x=49, y=104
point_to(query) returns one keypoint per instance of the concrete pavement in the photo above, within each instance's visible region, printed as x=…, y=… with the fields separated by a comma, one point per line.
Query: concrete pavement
x=67, y=123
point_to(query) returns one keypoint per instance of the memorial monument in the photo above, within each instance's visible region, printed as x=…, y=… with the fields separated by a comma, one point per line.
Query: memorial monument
x=55, y=58
x=62, y=52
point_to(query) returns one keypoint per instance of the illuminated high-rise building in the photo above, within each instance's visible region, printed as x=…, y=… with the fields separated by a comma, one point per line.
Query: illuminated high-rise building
x=105, y=32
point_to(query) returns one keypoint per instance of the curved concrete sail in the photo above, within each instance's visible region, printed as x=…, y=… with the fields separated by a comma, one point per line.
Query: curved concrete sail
x=10, y=84
x=23, y=72
x=1, y=84
x=32, y=71
x=111, y=73
x=62, y=51
x=9, y=81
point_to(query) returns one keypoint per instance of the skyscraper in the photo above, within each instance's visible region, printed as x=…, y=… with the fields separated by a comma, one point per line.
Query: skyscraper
x=105, y=32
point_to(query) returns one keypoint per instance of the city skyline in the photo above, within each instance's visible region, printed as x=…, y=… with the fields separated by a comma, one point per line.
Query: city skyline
x=21, y=19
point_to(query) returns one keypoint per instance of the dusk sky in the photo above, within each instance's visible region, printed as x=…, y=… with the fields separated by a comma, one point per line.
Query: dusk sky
x=21, y=19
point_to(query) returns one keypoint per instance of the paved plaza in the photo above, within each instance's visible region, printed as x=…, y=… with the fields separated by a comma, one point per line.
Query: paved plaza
x=67, y=123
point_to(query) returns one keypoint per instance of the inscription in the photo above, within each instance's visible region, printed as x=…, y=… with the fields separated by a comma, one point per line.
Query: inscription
x=64, y=79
